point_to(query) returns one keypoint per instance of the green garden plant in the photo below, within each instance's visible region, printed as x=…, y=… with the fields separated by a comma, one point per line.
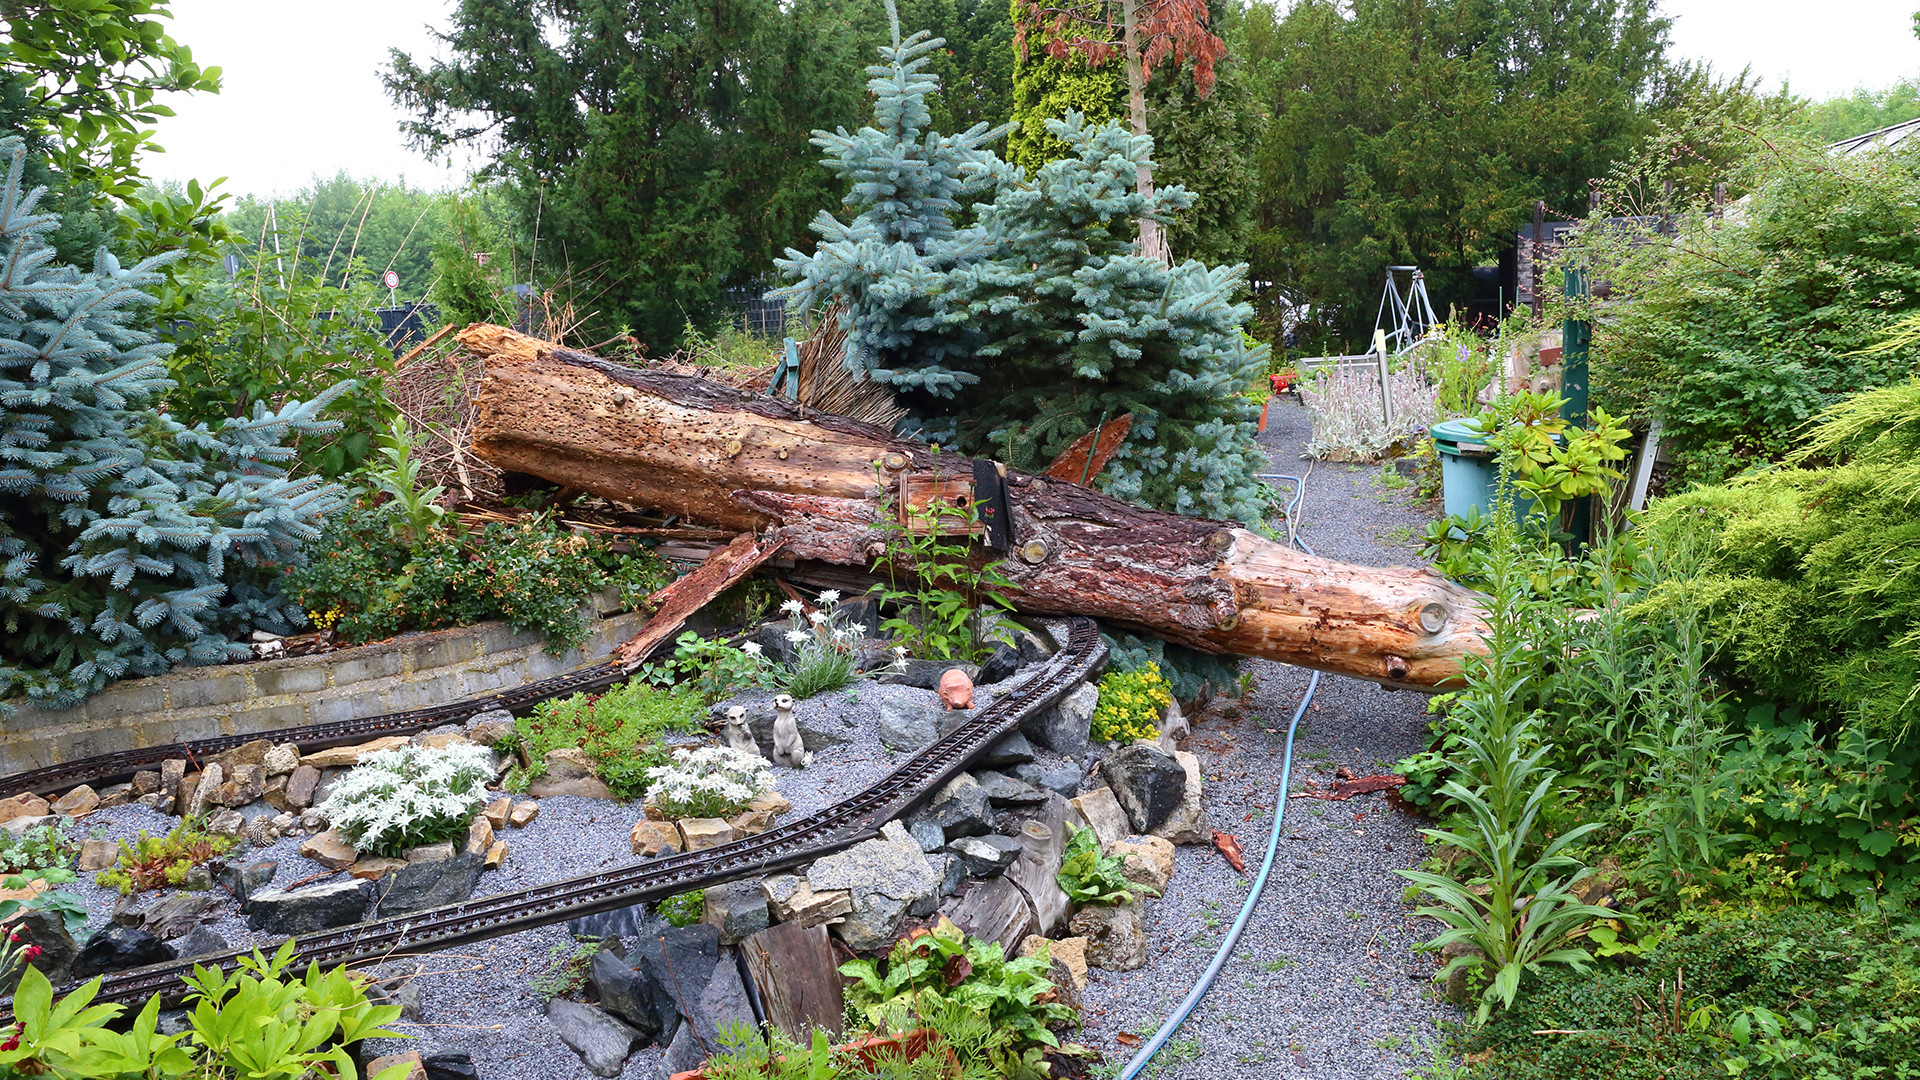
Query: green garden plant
x=950, y=589
x=36, y=849
x=1089, y=876
x=417, y=510
x=398, y=799
x=931, y=969
x=153, y=862
x=620, y=730
x=1132, y=704
x=826, y=646
x=716, y=670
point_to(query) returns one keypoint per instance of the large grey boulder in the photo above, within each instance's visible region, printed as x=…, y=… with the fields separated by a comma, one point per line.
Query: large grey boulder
x=314, y=907
x=117, y=948
x=58, y=950
x=1187, y=823
x=602, y=1042
x=999, y=665
x=419, y=886
x=885, y=878
x=907, y=726
x=960, y=809
x=1051, y=772
x=1003, y=790
x=1012, y=750
x=1148, y=782
x=737, y=908
x=1066, y=727
x=1116, y=941
x=632, y=994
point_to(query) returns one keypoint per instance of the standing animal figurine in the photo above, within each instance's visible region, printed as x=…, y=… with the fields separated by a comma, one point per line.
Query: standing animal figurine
x=738, y=736
x=788, y=750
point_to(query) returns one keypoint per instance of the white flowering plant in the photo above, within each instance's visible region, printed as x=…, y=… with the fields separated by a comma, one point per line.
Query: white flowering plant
x=719, y=670
x=398, y=799
x=826, y=647
x=714, y=781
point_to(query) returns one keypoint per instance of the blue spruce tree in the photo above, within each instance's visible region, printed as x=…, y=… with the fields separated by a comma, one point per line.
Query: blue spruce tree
x=1011, y=315
x=128, y=542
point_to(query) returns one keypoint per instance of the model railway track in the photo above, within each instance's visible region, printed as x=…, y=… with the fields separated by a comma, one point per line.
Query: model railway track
x=821, y=833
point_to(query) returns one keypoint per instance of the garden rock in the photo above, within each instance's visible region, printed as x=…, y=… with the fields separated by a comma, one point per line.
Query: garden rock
x=926, y=674
x=602, y=1042
x=117, y=948
x=774, y=645
x=1004, y=790
x=276, y=793
x=1148, y=783
x=479, y=836
x=496, y=811
x=344, y=757
x=523, y=814
x=488, y=728
x=417, y=1071
x=330, y=850
x=583, y=787
x=202, y=941
x=737, y=908
x=496, y=856
x=631, y=994
x=205, y=792
x=960, y=809
x=314, y=907
x=244, y=784
x=682, y=959
x=1012, y=750
x=999, y=665
x=928, y=835
x=700, y=833
x=568, y=763
x=97, y=855
x=281, y=759
x=1115, y=939
x=177, y=915
x=652, y=838
x=430, y=885
x=81, y=800
x=301, y=784
x=1187, y=823
x=1466, y=982
x=952, y=873
x=1102, y=813
x=628, y=923
x=227, y=823
x=58, y=950
x=1051, y=773
x=793, y=899
x=19, y=826
x=906, y=726
x=884, y=878
x=146, y=782
x=429, y=853
x=1065, y=728
x=986, y=856
x=375, y=867
x=199, y=879
x=253, y=752
x=450, y=1065
x=1068, y=952
x=1145, y=860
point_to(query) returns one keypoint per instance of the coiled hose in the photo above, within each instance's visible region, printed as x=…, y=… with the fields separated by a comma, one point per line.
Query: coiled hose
x=1192, y=1001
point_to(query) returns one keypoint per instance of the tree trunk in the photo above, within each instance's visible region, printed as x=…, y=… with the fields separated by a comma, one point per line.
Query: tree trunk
x=831, y=486
x=1153, y=239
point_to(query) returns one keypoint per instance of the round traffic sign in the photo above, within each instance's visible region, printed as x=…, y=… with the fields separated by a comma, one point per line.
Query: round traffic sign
x=392, y=279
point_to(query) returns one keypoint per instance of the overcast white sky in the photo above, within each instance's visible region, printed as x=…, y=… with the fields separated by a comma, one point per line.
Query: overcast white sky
x=302, y=92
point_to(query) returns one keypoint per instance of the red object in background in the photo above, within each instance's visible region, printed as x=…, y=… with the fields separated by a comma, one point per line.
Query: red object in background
x=1281, y=381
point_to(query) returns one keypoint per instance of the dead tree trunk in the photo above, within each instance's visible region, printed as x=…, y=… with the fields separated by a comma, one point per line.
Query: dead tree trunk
x=716, y=456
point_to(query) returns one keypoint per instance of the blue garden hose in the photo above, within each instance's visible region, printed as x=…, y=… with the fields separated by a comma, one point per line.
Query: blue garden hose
x=1145, y=1056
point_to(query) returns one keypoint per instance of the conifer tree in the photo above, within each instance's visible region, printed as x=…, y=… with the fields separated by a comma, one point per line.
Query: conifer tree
x=128, y=542
x=1010, y=315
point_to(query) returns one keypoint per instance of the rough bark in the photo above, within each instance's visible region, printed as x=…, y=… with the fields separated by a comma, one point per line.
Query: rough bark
x=828, y=485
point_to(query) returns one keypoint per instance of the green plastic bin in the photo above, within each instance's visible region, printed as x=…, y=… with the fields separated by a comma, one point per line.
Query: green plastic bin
x=1467, y=468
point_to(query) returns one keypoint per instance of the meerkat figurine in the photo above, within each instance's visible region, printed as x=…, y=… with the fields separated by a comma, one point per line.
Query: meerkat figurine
x=738, y=736
x=788, y=750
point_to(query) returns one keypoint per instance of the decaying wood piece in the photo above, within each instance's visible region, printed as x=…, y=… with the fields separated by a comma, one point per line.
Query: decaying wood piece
x=799, y=980
x=688, y=594
x=1082, y=461
x=716, y=456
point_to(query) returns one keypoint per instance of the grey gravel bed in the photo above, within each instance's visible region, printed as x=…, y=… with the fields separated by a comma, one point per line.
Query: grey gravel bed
x=1324, y=982
x=482, y=998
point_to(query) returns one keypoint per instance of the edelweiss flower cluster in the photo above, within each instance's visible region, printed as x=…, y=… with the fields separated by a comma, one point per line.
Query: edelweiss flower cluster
x=397, y=799
x=714, y=781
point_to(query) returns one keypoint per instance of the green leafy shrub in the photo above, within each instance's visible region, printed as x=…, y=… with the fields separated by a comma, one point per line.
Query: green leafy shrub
x=826, y=644
x=620, y=730
x=715, y=670
x=73, y=913
x=948, y=590
x=414, y=795
x=36, y=849
x=1801, y=993
x=365, y=584
x=130, y=542
x=713, y=781
x=685, y=909
x=931, y=969
x=152, y=862
x=1132, y=704
x=1089, y=877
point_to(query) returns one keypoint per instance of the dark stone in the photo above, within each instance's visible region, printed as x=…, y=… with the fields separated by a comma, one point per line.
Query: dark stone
x=925, y=674
x=1000, y=665
x=1050, y=773
x=860, y=611
x=315, y=907
x=602, y=1042
x=632, y=994
x=1148, y=783
x=201, y=941
x=907, y=725
x=926, y=833
x=1004, y=790
x=241, y=882
x=420, y=886
x=173, y=1022
x=774, y=644
x=738, y=908
x=58, y=950
x=1034, y=648
x=681, y=959
x=449, y=1065
x=960, y=809
x=1012, y=750
x=985, y=856
x=117, y=948
x=684, y=1054
x=1065, y=728
x=178, y=914
x=629, y=923
x=952, y=873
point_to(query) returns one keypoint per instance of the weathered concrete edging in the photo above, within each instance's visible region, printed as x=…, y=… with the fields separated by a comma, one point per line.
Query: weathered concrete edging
x=409, y=672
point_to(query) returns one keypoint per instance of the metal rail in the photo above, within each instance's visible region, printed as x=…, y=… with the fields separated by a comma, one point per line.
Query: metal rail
x=821, y=833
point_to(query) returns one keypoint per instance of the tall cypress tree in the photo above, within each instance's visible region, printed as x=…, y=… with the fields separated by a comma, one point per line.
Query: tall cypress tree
x=128, y=542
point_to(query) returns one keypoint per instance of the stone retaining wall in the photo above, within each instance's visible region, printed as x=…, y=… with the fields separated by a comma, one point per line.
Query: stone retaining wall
x=410, y=672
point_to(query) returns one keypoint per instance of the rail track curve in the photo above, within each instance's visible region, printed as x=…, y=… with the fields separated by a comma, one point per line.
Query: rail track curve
x=823, y=832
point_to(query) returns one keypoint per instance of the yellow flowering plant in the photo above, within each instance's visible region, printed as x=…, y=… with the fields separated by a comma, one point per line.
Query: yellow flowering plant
x=1131, y=704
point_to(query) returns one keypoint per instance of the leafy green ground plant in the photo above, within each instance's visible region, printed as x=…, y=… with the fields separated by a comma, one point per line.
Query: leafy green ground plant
x=153, y=862
x=620, y=731
x=934, y=968
x=717, y=670
x=826, y=644
x=948, y=588
x=1089, y=877
x=683, y=910
x=35, y=849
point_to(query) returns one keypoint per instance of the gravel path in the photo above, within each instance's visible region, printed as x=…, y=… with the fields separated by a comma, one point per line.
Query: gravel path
x=1324, y=982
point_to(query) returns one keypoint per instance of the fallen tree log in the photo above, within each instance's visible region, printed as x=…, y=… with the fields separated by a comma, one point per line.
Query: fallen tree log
x=828, y=484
